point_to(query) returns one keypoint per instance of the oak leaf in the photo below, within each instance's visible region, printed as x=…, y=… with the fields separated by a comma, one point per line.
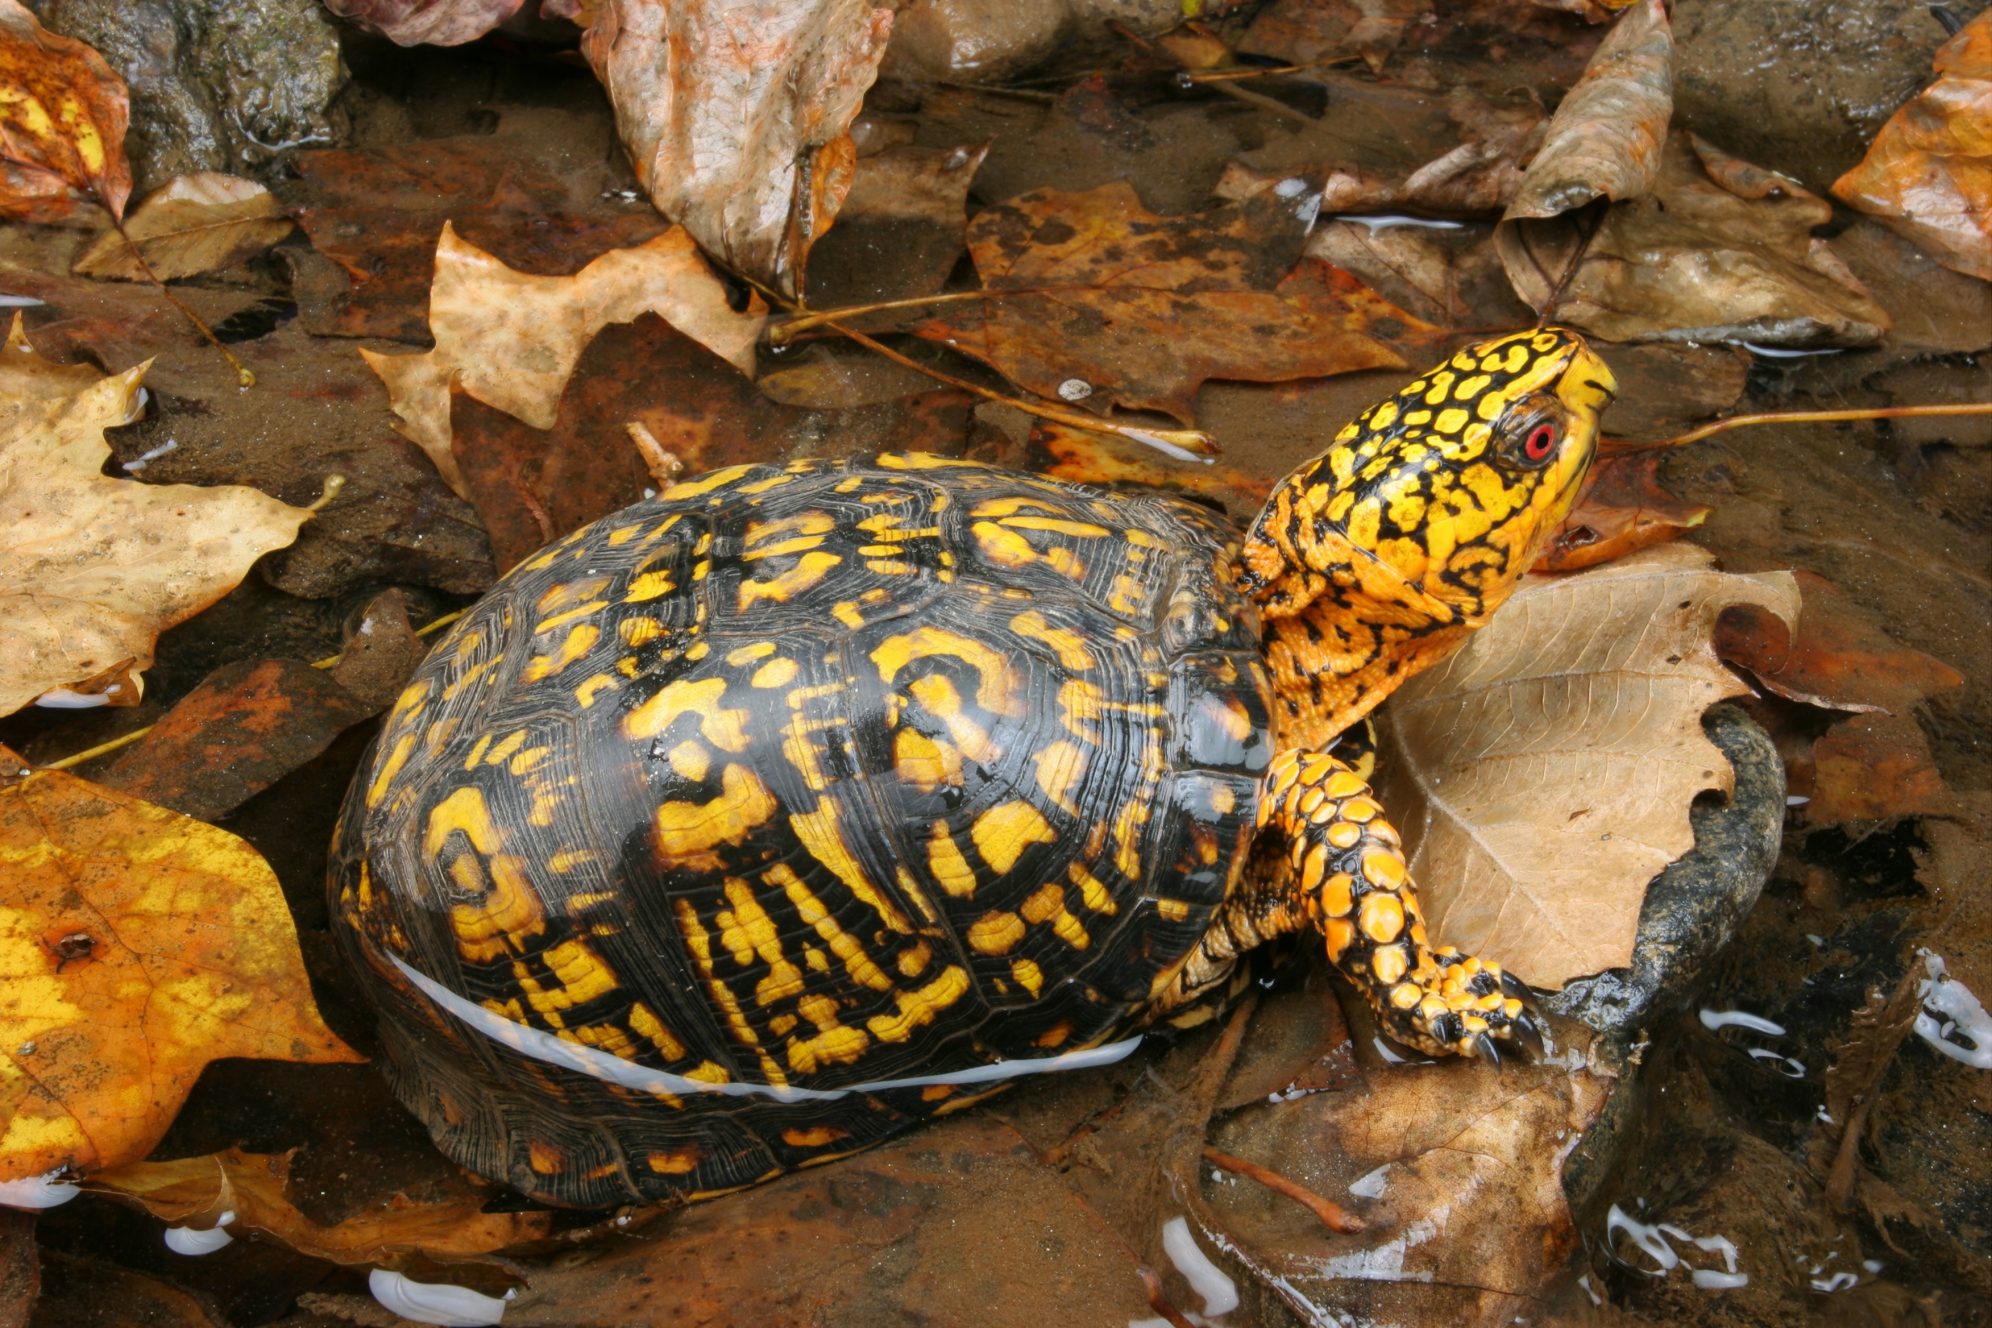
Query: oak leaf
x=1091, y=298
x=197, y=223
x=62, y=122
x=251, y=1192
x=136, y=946
x=92, y=569
x=1543, y=774
x=511, y=339
x=737, y=116
x=1928, y=173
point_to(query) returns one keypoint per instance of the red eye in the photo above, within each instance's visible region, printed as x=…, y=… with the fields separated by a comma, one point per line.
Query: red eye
x=1540, y=442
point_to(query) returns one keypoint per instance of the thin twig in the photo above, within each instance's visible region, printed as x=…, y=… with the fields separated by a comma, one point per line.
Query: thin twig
x=1194, y=442
x=1246, y=95
x=242, y=374
x=1331, y=1213
x=1814, y=417
x=1159, y=1302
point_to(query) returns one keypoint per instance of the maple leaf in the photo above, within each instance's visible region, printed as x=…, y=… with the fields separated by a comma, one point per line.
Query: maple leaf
x=511, y=339
x=1091, y=297
x=62, y=122
x=1543, y=774
x=197, y=223
x=136, y=945
x=92, y=569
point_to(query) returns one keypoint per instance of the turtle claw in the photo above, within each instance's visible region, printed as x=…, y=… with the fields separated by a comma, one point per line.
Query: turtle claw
x=1487, y=1049
x=1526, y=1029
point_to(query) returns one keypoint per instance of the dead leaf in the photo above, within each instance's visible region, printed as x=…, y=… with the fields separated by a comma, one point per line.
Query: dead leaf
x=426, y=22
x=1604, y=140
x=1695, y=260
x=94, y=568
x=1092, y=299
x=510, y=339
x=198, y=223
x=62, y=122
x=255, y=1189
x=1306, y=31
x=1452, y=278
x=376, y=212
x=1840, y=658
x=1928, y=173
x=1543, y=774
x=1875, y=768
x=737, y=117
x=83, y=1292
x=900, y=1233
x=136, y=945
x=900, y=232
x=1396, y=148
x=1623, y=509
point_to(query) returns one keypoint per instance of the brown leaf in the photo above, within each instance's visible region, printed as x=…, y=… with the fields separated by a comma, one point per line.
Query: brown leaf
x=1305, y=31
x=94, y=568
x=83, y=1292
x=1623, y=509
x=198, y=223
x=1695, y=260
x=426, y=22
x=1604, y=140
x=1874, y=768
x=1417, y=1152
x=255, y=1188
x=521, y=193
x=246, y=726
x=1840, y=658
x=738, y=117
x=1092, y=298
x=136, y=945
x=1393, y=148
x=927, y=1229
x=510, y=339
x=1543, y=774
x=900, y=233
x=62, y=121
x=1928, y=173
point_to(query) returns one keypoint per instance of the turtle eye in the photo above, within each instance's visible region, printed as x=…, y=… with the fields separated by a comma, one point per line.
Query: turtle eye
x=1540, y=442
x=1528, y=439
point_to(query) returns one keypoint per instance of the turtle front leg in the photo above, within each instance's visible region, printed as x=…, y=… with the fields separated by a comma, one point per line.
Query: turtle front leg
x=1352, y=881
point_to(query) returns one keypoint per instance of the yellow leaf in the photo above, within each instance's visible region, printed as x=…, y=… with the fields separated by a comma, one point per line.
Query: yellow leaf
x=62, y=120
x=1544, y=772
x=92, y=569
x=136, y=945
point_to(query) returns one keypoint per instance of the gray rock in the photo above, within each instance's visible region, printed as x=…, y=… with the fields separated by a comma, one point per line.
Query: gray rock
x=1694, y=907
x=216, y=85
x=1801, y=86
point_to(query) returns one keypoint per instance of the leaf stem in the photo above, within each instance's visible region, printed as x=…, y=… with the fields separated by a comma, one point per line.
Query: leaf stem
x=1814, y=417
x=242, y=374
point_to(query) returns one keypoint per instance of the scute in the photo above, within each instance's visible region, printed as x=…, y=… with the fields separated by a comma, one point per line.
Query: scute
x=831, y=774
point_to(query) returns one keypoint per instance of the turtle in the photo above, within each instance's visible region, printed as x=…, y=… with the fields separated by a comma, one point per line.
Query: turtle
x=767, y=817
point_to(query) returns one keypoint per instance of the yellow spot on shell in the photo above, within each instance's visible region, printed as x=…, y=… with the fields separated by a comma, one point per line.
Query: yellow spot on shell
x=576, y=644
x=816, y=1136
x=920, y=1007
x=775, y=673
x=809, y=569
x=683, y=830
x=1069, y=645
x=723, y=728
x=675, y=1162
x=1002, y=833
x=690, y=760
x=704, y=484
x=922, y=762
x=822, y=835
x=648, y=586
x=1028, y=975
x=1091, y=892
x=996, y=933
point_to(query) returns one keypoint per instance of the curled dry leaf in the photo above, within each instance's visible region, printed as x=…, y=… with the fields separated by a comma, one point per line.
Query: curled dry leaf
x=1928, y=173
x=62, y=122
x=92, y=569
x=1091, y=298
x=1623, y=509
x=510, y=339
x=426, y=22
x=255, y=1188
x=198, y=223
x=1604, y=140
x=1543, y=774
x=136, y=945
x=737, y=116
x=1717, y=250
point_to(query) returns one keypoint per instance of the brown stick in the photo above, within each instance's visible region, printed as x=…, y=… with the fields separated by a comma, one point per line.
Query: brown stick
x=1331, y=1213
x=1159, y=1302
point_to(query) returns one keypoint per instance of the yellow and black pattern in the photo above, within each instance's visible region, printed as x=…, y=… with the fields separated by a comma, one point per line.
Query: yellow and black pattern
x=1376, y=559
x=721, y=818
x=803, y=777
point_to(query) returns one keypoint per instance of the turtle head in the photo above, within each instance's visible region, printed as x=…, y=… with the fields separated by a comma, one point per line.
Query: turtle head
x=1420, y=517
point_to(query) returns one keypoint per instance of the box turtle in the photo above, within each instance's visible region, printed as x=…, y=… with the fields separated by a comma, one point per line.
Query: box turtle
x=764, y=818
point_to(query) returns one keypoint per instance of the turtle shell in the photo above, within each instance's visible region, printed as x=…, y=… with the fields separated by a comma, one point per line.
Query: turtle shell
x=760, y=820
